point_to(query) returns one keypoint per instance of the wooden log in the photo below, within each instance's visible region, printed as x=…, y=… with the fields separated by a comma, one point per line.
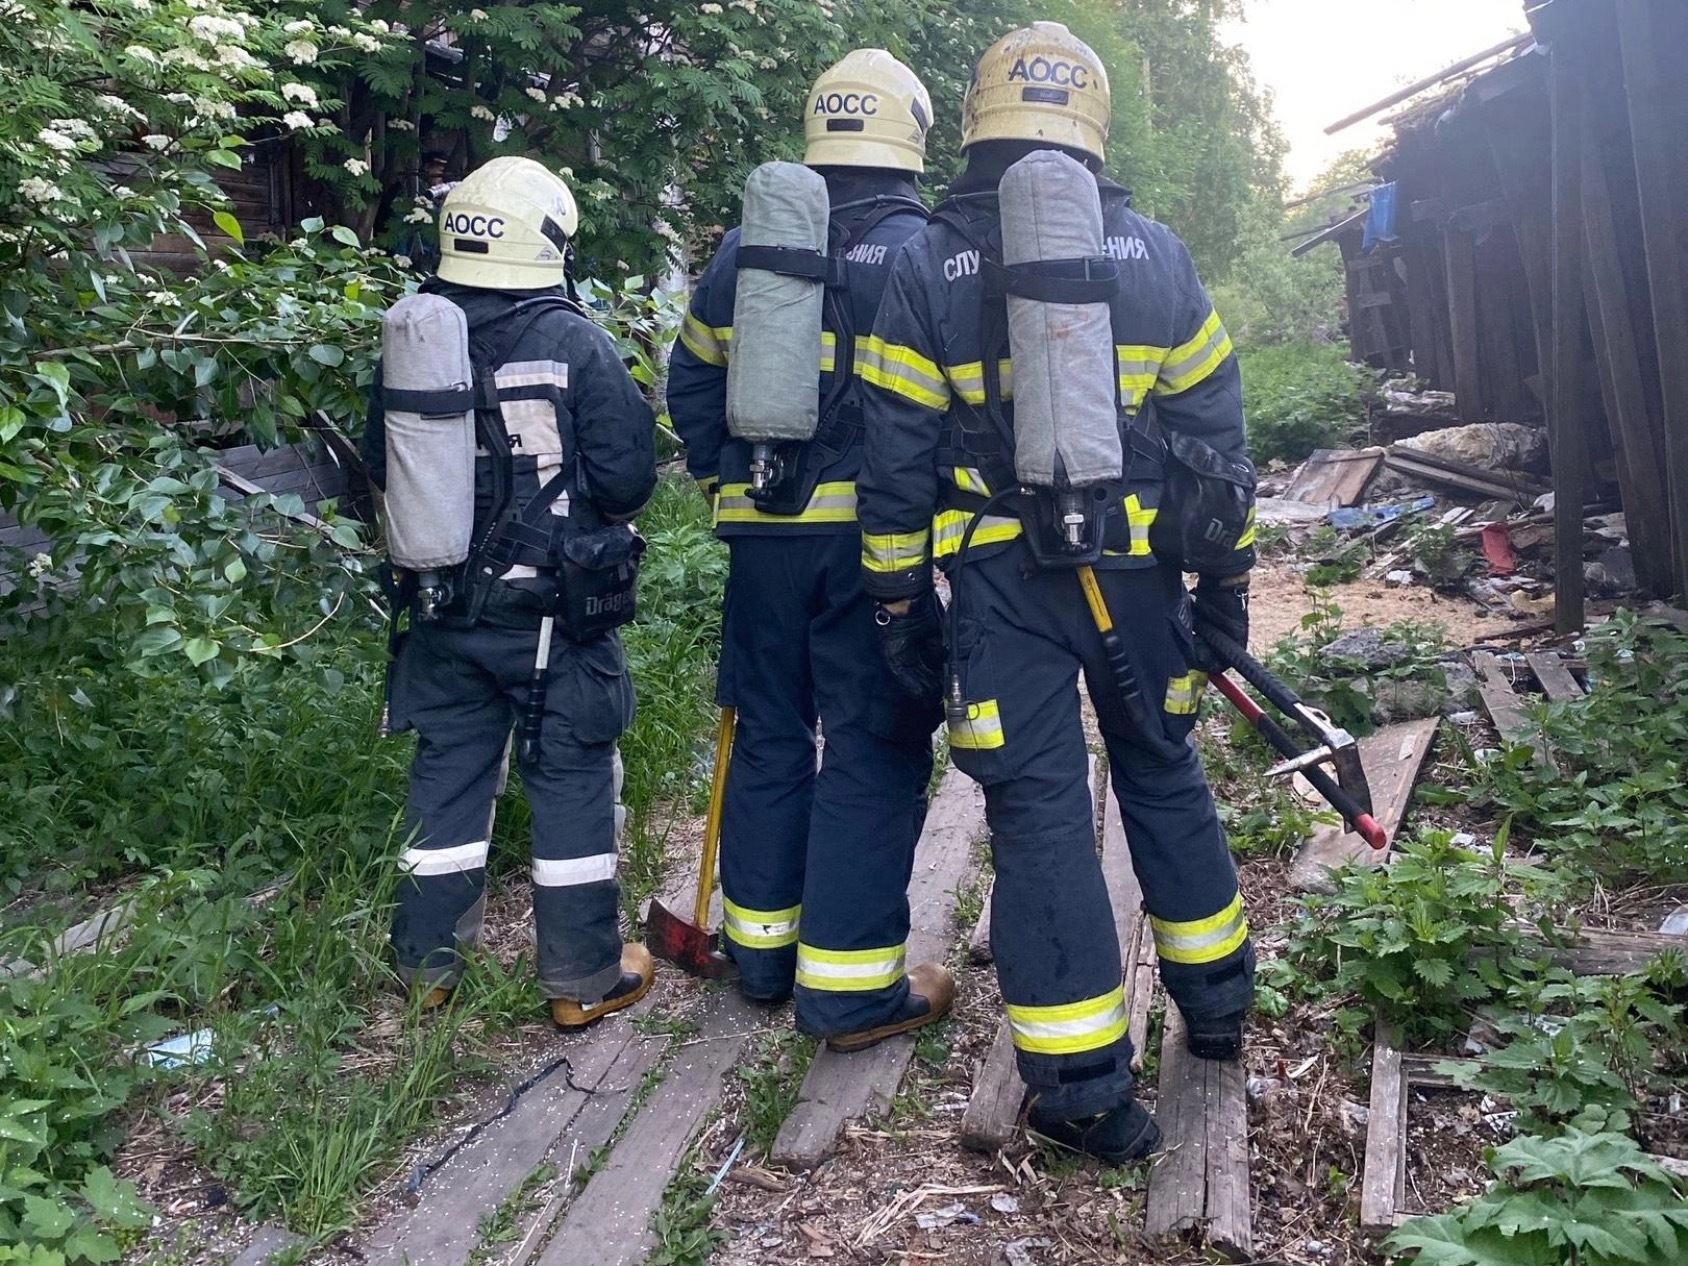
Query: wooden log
x=573, y=1111
x=609, y=1222
x=1392, y=759
x=840, y=1087
x=1556, y=680
x=1597, y=952
x=1383, y=1185
x=1637, y=433
x=1566, y=439
x=1200, y=1181
x=994, y=1110
x=1657, y=140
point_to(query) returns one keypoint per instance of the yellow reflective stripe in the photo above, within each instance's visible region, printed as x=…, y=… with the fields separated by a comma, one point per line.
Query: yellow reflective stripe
x=760, y=929
x=904, y=371
x=969, y=379
x=707, y=486
x=1202, y=940
x=1071, y=1027
x=970, y=480
x=831, y=503
x=949, y=526
x=1140, y=519
x=709, y=343
x=895, y=551
x=1139, y=366
x=1247, y=538
x=1184, y=694
x=829, y=351
x=1189, y=363
x=981, y=730
x=846, y=971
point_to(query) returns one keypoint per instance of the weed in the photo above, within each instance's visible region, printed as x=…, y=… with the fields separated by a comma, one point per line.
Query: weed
x=772, y=1078
x=1584, y=1198
x=932, y=1045
x=1334, y=559
x=1427, y=939
x=684, y=1234
x=1343, y=686
x=1435, y=549
x=1299, y=397
x=504, y=1223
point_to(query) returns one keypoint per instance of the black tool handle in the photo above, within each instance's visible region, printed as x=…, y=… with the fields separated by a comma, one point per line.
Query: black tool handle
x=1257, y=675
x=533, y=714
x=1146, y=721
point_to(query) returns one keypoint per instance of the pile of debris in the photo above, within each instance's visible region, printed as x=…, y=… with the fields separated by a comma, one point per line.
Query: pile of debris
x=1460, y=508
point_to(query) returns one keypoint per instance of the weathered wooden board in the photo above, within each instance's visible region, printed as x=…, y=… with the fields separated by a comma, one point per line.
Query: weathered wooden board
x=269, y=1241
x=574, y=1110
x=1556, y=680
x=1334, y=476
x=1384, y=1183
x=1506, y=709
x=609, y=1222
x=1392, y=758
x=994, y=1110
x=843, y=1087
x=1200, y=1181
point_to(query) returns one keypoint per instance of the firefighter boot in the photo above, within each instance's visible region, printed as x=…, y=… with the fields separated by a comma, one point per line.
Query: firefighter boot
x=637, y=973
x=931, y=991
x=1122, y=1134
x=1215, y=1036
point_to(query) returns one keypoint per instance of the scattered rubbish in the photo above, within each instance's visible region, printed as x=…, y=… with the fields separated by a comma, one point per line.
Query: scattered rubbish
x=946, y=1216
x=727, y=1165
x=1676, y=922
x=1355, y=1114
x=1258, y=1088
x=1315, y=1248
x=1398, y=579
x=1489, y=446
x=1334, y=476
x=1002, y=1202
x=1352, y=517
x=1463, y=718
x=183, y=1049
x=1545, y=502
x=1019, y=1252
x=1497, y=549
x=1302, y=1069
x=1280, y=510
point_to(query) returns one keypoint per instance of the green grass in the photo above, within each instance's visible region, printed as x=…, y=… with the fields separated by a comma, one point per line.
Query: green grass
x=772, y=1077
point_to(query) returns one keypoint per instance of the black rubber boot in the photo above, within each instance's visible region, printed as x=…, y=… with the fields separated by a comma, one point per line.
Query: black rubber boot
x=1123, y=1134
x=1215, y=1036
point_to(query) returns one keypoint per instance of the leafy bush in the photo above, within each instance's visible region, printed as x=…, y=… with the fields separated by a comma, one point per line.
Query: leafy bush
x=1425, y=940
x=1579, y=1200
x=1344, y=687
x=1582, y=1051
x=1299, y=397
x=1618, y=804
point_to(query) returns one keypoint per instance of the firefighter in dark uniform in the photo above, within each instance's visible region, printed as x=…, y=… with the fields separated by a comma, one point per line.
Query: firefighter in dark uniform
x=1024, y=634
x=574, y=424
x=815, y=863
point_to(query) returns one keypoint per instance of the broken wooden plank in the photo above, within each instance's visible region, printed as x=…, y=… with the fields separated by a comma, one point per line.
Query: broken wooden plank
x=1334, y=476
x=574, y=1110
x=842, y=1087
x=1141, y=976
x=979, y=943
x=1556, y=680
x=1383, y=1185
x=994, y=1110
x=1392, y=759
x=1598, y=952
x=1567, y=440
x=266, y=1244
x=1200, y=1180
x=609, y=1222
x=90, y=934
x=1506, y=709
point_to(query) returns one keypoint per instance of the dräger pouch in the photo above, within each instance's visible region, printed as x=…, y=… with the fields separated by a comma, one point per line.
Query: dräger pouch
x=597, y=581
x=1205, y=512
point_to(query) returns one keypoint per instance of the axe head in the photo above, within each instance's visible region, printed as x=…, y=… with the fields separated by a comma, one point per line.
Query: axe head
x=692, y=949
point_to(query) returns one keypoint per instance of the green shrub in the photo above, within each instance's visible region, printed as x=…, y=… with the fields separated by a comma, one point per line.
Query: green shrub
x=1426, y=940
x=1618, y=802
x=1579, y=1200
x=1299, y=397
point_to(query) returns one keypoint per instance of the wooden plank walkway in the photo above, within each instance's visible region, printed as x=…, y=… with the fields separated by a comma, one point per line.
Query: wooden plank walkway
x=1392, y=759
x=1506, y=709
x=840, y=1088
x=608, y=1224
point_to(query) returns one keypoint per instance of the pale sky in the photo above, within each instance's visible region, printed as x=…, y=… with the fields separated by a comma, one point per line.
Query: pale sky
x=1324, y=59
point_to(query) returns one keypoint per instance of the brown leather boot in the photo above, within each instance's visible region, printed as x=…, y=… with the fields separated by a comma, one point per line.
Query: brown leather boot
x=931, y=993
x=637, y=973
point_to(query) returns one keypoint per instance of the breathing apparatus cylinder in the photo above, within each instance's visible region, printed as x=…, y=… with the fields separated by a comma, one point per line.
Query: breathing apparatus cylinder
x=773, y=382
x=427, y=386
x=1066, y=390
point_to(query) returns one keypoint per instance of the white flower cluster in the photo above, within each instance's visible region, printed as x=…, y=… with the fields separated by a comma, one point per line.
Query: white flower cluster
x=296, y=119
x=711, y=9
x=356, y=166
x=154, y=141
x=303, y=52
x=39, y=191
x=163, y=298
x=538, y=94
x=117, y=105
x=299, y=27
x=567, y=100
x=401, y=125
x=301, y=94
x=366, y=43
x=140, y=53
x=209, y=29
x=480, y=112
x=68, y=135
x=40, y=565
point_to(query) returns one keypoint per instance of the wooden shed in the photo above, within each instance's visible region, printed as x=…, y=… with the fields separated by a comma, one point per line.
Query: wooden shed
x=1536, y=261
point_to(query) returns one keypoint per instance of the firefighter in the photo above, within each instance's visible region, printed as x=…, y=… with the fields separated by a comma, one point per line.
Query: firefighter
x=562, y=458
x=938, y=406
x=815, y=863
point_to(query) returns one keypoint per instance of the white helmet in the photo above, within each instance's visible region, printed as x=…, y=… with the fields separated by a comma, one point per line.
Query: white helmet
x=1039, y=83
x=507, y=226
x=869, y=110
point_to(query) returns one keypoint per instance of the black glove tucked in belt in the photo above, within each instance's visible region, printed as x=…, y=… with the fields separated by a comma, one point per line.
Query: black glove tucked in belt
x=913, y=646
x=1222, y=606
